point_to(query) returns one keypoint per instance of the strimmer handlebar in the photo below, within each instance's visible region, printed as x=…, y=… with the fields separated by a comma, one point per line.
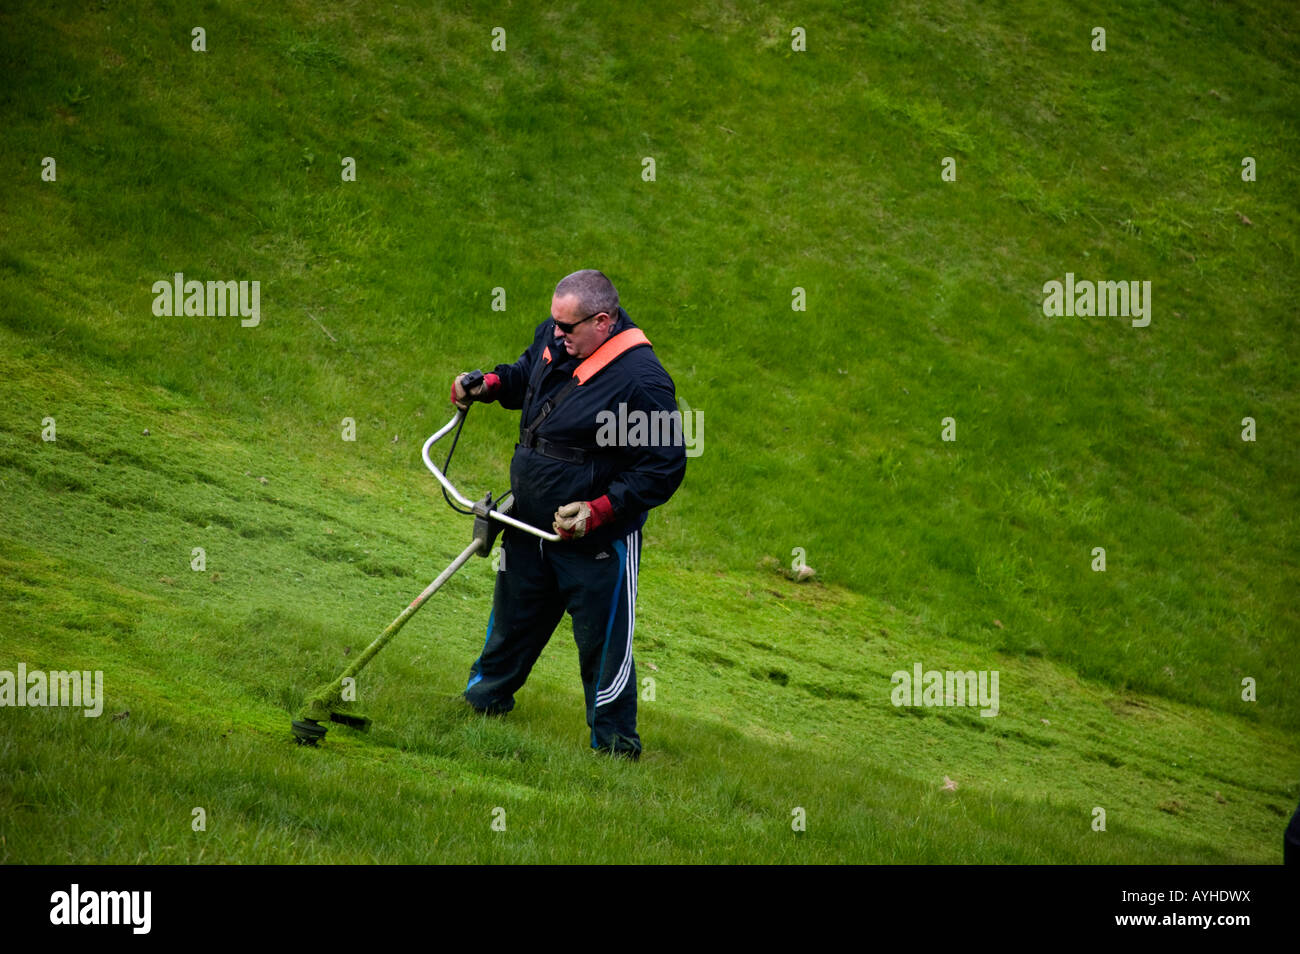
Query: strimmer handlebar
x=497, y=514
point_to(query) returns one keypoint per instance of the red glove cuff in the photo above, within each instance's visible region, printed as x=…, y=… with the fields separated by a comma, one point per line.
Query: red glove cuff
x=602, y=511
x=491, y=384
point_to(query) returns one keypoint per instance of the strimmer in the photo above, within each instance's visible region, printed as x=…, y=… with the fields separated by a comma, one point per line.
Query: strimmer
x=326, y=703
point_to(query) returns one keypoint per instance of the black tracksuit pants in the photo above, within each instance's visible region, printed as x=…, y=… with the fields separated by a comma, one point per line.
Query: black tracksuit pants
x=536, y=583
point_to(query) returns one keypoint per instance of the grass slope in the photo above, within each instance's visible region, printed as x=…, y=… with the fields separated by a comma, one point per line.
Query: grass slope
x=820, y=170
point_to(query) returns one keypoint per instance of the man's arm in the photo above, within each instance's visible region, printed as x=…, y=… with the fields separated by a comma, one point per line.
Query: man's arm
x=654, y=472
x=651, y=472
x=513, y=378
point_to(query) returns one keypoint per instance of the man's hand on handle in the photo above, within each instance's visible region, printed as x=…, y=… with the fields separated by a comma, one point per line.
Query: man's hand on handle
x=577, y=519
x=484, y=390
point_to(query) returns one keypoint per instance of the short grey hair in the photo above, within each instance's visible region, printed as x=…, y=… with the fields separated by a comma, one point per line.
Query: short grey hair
x=595, y=292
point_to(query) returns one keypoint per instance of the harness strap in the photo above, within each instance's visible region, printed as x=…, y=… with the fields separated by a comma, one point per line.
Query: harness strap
x=596, y=362
x=570, y=455
x=613, y=347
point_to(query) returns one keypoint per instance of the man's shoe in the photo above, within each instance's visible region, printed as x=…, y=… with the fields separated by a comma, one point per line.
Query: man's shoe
x=633, y=755
x=490, y=709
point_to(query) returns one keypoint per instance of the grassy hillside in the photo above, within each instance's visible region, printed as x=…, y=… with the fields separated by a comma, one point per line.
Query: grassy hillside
x=774, y=170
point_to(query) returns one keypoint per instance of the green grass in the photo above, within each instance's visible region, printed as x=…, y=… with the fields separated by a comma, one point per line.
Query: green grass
x=775, y=169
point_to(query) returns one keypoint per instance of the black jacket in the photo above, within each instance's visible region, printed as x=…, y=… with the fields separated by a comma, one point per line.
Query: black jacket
x=637, y=474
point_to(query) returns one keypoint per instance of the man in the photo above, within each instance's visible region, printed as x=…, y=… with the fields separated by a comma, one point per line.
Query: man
x=585, y=361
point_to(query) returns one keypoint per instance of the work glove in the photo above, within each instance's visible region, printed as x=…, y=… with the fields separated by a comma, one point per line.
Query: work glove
x=577, y=519
x=485, y=391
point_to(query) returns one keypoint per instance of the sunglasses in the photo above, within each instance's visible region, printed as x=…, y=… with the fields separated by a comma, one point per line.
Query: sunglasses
x=567, y=328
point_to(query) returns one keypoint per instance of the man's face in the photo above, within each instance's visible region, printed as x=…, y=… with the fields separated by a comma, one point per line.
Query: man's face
x=586, y=337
